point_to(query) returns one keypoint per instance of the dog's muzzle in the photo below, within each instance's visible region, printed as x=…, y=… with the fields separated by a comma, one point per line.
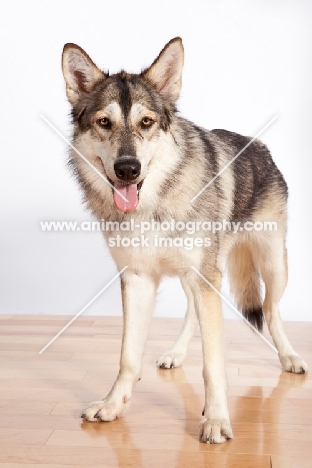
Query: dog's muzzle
x=126, y=193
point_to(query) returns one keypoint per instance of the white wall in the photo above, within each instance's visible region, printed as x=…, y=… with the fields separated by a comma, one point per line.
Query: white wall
x=245, y=62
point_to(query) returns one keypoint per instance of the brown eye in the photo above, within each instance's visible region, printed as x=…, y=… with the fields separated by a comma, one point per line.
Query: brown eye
x=146, y=122
x=104, y=122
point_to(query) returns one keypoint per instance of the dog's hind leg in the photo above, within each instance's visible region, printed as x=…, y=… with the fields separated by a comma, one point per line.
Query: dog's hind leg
x=176, y=354
x=138, y=297
x=272, y=257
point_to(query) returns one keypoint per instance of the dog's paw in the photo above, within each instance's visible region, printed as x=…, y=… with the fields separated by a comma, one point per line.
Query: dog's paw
x=104, y=410
x=214, y=431
x=294, y=364
x=170, y=360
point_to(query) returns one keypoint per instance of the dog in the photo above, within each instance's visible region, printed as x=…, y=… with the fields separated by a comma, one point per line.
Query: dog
x=138, y=161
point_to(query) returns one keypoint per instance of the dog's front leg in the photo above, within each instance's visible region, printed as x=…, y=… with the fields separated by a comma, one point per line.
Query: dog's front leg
x=138, y=297
x=215, y=426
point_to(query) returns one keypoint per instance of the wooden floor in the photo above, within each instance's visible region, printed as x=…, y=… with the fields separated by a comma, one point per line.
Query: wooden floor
x=41, y=397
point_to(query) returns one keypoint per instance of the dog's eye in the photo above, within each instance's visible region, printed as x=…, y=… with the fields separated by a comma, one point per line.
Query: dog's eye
x=146, y=122
x=104, y=122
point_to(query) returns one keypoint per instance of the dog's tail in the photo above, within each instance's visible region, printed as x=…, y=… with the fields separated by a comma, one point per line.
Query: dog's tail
x=245, y=284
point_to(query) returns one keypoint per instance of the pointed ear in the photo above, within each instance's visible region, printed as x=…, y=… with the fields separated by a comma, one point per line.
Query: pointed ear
x=80, y=73
x=166, y=71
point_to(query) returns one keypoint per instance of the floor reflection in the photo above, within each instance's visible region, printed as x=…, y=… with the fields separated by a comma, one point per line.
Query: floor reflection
x=118, y=434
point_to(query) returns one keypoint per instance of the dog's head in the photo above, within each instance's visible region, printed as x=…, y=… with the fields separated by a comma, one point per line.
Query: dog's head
x=119, y=119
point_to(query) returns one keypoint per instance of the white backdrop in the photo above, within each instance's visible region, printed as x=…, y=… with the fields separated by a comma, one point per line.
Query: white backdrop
x=244, y=62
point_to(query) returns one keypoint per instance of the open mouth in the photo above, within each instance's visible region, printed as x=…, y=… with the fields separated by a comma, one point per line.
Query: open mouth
x=126, y=195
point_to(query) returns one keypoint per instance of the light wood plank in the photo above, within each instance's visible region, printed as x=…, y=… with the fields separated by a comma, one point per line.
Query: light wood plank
x=133, y=457
x=18, y=407
x=18, y=373
x=26, y=436
x=291, y=462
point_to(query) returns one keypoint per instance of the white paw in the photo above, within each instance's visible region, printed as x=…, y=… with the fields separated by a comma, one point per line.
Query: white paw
x=214, y=431
x=294, y=364
x=104, y=410
x=170, y=360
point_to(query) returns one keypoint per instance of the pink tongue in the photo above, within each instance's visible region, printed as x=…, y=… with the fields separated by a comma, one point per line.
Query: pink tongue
x=130, y=193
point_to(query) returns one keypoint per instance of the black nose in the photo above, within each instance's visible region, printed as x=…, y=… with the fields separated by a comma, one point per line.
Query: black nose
x=127, y=168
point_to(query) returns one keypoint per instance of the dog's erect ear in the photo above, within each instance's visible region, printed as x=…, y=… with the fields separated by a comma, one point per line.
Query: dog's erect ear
x=80, y=73
x=165, y=72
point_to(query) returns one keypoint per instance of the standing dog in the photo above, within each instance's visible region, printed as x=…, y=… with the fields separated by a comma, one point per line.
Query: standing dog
x=151, y=164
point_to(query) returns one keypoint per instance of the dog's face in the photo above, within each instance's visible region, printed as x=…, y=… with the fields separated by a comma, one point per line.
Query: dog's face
x=120, y=118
